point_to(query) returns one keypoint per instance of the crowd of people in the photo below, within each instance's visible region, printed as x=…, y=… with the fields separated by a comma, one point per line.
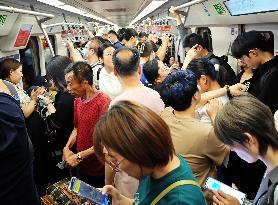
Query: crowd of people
x=144, y=130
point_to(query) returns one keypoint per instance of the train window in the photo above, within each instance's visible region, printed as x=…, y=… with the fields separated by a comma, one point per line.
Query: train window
x=30, y=60
x=206, y=34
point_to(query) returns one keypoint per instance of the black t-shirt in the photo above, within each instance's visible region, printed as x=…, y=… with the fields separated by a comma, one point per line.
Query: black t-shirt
x=265, y=87
x=16, y=174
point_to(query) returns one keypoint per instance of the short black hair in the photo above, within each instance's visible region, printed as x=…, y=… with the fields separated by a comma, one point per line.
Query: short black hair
x=248, y=41
x=142, y=34
x=150, y=70
x=145, y=48
x=126, y=34
x=102, y=48
x=112, y=32
x=126, y=61
x=193, y=39
x=178, y=89
x=55, y=70
x=81, y=71
x=202, y=66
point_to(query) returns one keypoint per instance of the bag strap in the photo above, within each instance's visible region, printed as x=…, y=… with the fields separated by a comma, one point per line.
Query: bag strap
x=171, y=187
x=11, y=88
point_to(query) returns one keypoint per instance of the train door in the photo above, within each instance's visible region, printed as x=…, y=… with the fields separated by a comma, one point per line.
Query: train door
x=30, y=60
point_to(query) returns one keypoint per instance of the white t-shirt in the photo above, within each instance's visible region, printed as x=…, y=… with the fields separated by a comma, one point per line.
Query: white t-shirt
x=201, y=112
x=109, y=84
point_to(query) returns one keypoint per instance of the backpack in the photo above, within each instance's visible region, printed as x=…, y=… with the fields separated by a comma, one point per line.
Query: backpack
x=225, y=74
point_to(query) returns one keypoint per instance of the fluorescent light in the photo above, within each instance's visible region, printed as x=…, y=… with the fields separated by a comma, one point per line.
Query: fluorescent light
x=150, y=8
x=61, y=5
x=52, y=2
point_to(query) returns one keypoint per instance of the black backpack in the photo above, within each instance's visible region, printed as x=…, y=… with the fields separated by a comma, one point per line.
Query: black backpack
x=225, y=74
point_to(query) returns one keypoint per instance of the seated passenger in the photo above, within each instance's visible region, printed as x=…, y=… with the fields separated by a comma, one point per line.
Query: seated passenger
x=11, y=70
x=136, y=140
x=253, y=49
x=108, y=82
x=206, y=78
x=192, y=139
x=247, y=126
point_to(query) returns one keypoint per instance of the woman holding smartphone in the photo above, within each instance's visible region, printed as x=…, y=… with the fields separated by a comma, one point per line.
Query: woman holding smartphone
x=247, y=125
x=136, y=140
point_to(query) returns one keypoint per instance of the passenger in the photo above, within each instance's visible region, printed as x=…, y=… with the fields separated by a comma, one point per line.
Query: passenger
x=254, y=50
x=89, y=105
x=136, y=140
x=143, y=37
x=126, y=63
x=196, y=47
x=108, y=82
x=173, y=64
x=91, y=56
x=17, y=180
x=128, y=37
x=62, y=119
x=206, y=78
x=112, y=35
x=103, y=33
x=146, y=53
x=247, y=125
x=192, y=139
x=11, y=70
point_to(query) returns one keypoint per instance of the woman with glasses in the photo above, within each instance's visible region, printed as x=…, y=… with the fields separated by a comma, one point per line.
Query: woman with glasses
x=136, y=140
x=108, y=82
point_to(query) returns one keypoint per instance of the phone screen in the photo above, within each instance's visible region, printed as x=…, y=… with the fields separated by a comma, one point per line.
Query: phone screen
x=215, y=185
x=85, y=190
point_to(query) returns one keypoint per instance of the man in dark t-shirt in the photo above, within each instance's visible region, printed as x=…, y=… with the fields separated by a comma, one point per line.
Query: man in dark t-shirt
x=16, y=175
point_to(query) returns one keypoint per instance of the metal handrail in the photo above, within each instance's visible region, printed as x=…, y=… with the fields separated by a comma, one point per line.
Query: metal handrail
x=22, y=11
x=190, y=4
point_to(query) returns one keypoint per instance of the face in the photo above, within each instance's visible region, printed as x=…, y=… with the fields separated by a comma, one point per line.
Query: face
x=16, y=75
x=163, y=71
x=203, y=83
x=172, y=61
x=252, y=60
x=118, y=163
x=107, y=57
x=133, y=41
x=112, y=37
x=244, y=153
x=87, y=51
x=74, y=87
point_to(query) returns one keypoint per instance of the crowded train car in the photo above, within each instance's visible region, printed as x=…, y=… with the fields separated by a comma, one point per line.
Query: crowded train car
x=139, y=102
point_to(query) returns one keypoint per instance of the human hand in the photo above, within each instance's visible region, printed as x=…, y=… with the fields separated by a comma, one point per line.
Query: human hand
x=66, y=153
x=220, y=198
x=69, y=44
x=45, y=100
x=192, y=53
x=213, y=107
x=35, y=93
x=71, y=161
x=238, y=89
x=173, y=10
x=165, y=39
x=114, y=193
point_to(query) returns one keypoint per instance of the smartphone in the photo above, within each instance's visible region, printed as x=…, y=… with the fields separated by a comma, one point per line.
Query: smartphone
x=85, y=190
x=215, y=185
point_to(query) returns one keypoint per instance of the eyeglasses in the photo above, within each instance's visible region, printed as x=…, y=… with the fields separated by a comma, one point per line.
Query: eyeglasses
x=113, y=164
x=108, y=54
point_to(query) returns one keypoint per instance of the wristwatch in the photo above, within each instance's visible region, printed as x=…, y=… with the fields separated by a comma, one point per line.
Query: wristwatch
x=78, y=156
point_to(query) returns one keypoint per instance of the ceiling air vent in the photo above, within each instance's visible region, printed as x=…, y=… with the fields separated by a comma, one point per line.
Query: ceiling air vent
x=116, y=10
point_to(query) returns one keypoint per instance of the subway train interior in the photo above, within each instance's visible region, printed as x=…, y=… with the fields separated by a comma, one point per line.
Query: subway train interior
x=239, y=38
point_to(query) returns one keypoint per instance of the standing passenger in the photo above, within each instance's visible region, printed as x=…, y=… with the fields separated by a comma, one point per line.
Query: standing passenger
x=126, y=62
x=136, y=140
x=16, y=174
x=89, y=105
x=112, y=35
